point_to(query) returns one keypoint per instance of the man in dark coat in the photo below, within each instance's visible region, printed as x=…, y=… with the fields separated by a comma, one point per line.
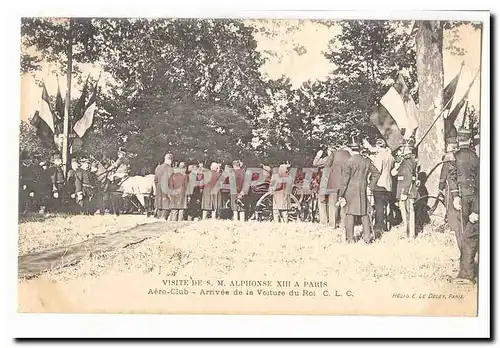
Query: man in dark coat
x=448, y=170
x=465, y=191
x=353, y=190
x=162, y=174
x=85, y=185
x=43, y=188
x=328, y=207
x=26, y=184
x=72, y=206
x=57, y=180
x=405, y=170
x=237, y=200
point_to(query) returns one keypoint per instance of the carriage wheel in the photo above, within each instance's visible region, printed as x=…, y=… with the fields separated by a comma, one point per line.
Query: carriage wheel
x=264, y=208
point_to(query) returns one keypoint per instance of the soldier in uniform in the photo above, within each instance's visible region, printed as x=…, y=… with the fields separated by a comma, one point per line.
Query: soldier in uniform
x=84, y=185
x=464, y=186
x=70, y=186
x=328, y=207
x=43, y=188
x=211, y=202
x=405, y=169
x=162, y=174
x=353, y=191
x=26, y=184
x=57, y=180
x=119, y=169
x=448, y=170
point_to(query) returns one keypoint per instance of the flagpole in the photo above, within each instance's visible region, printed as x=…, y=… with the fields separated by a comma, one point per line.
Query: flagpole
x=442, y=111
x=65, y=147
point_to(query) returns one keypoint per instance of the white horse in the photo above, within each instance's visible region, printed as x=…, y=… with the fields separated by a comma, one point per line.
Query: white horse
x=142, y=187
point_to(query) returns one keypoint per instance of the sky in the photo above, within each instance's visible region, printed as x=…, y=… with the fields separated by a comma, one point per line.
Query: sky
x=298, y=66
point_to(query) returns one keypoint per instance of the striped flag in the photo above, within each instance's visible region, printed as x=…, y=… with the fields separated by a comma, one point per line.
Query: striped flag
x=450, y=89
x=396, y=117
x=80, y=104
x=59, y=120
x=85, y=122
x=43, y=120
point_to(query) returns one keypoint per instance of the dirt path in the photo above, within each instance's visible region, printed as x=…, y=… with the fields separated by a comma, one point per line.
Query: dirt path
x=33, y=264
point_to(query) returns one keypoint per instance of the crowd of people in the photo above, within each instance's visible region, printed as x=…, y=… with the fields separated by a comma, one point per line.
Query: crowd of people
x=358, y=184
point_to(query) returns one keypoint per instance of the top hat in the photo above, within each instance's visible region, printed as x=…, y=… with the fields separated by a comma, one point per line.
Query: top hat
x=354, y=145
x=380, y=142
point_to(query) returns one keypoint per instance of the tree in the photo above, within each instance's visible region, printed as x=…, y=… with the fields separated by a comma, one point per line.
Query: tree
x=192, y=132
x=367, y=56
x=429, y=44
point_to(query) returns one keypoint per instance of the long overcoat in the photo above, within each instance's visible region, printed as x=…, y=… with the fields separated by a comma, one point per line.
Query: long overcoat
x=162, y=174
x=355, y=173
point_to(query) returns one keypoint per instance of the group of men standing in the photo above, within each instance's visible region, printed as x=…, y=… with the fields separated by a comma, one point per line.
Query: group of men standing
x=174, y=197
x=47, y=188
x=354, y=177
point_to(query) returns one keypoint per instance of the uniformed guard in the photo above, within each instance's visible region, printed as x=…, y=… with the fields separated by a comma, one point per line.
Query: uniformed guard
x=84, y=185
x=405, y=168
x=119, y=169
x=43, y=188
x=470, y=245
x=72, y=206
x=26, y=184
x=465, y=185
x=57, y=180
x=353, y=192
x=448, y=169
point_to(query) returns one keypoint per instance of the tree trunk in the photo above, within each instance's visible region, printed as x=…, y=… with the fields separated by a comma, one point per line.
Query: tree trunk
x=430, y=74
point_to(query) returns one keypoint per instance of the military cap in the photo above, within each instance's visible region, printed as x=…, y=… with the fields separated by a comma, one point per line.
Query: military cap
x=84, y=160
x=121, y=150
x=464, y=134
x=74, y=160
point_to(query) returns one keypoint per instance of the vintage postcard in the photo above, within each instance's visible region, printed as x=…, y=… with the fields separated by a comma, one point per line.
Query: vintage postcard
x=252, y=165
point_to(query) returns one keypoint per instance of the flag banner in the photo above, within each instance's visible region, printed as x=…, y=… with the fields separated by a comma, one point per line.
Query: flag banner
x=381, y=118
x=458, y=110
x=450, y=90
x=80, y=104
x=59, y=111
x=43, y=131
x=401, y=108
x=84, y=123
x=46, y=111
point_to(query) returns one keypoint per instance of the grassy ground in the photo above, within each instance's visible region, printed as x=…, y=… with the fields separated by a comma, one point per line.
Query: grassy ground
x=38, y=232
x=244, y=250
